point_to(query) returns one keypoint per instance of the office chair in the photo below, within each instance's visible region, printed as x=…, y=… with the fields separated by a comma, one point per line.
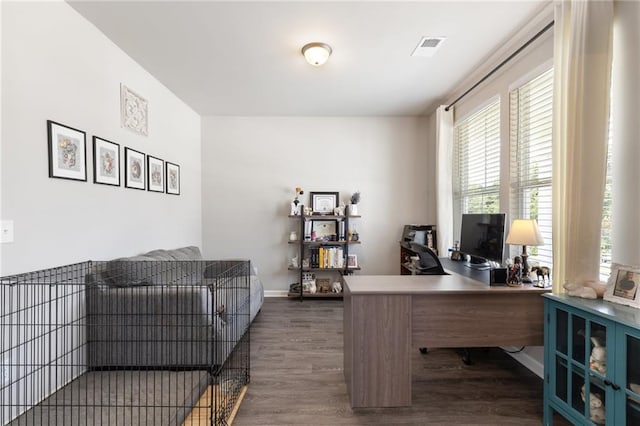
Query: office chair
x=428, y=263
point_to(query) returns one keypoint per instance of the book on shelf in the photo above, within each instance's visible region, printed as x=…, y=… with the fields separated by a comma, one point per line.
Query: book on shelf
x=326, y=257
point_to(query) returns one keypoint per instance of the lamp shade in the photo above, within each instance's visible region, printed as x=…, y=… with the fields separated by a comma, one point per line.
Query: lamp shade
x=525, y=232
x=316, y=53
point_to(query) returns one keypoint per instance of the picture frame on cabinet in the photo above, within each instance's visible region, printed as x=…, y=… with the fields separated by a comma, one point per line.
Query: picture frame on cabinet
x=352, y=261
x=134, y=169
x=622, y=286
x=67, y=152
x=106, y=162
x=155, y=174
x=324, y=202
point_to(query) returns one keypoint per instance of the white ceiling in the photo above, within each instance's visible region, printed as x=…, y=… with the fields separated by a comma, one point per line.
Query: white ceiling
x=243, y=58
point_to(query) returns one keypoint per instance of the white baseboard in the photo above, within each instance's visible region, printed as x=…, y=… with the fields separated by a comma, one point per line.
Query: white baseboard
x=533, y=364
x=276, y=293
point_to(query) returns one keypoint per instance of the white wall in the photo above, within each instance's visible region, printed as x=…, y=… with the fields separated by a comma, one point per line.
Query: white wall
x=58, y=66
x=625, y=103
x=251, y=166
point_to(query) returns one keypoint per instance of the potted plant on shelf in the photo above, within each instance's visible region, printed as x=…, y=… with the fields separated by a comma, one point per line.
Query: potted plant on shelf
x=355, y=199
x=295, y=204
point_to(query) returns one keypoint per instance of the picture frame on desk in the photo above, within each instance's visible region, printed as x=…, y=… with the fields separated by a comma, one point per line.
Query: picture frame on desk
x=622, y=286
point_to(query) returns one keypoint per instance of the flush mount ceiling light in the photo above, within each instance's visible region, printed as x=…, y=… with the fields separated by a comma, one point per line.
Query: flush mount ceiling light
x=316, y=53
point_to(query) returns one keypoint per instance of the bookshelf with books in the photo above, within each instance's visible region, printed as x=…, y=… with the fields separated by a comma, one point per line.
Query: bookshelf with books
x=322, y=253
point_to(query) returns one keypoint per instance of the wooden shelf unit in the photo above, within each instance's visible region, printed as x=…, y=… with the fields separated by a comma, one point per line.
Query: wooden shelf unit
x=304, y=247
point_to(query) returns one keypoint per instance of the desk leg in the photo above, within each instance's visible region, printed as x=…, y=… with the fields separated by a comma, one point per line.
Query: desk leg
x=380, y=345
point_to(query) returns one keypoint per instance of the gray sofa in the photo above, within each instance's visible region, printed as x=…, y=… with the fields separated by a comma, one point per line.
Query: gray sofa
x=168, y=309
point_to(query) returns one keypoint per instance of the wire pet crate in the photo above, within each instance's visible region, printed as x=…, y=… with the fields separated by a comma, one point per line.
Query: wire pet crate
x=125, y=342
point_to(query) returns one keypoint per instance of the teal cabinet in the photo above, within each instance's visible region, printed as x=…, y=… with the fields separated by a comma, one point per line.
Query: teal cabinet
x=592, y=362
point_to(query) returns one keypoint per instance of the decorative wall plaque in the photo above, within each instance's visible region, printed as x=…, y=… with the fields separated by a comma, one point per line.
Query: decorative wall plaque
x=134, y=114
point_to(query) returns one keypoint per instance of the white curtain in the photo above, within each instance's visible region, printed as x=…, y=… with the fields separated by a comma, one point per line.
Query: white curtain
x=444, y=179
x=582, y=81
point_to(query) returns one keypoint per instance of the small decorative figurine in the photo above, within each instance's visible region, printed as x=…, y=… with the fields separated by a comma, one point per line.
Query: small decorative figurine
x=598, y=357
x=542, y=271
x=596, y=406
x=515, y=272
x=295, y=204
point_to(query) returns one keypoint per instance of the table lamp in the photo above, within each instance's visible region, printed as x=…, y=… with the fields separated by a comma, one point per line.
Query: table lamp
x=525, y=232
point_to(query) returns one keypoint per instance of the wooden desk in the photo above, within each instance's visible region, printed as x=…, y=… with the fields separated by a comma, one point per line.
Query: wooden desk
x=388, y=316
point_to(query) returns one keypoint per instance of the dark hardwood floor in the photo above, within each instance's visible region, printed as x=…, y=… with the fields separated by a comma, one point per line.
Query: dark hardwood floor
x=297, y=379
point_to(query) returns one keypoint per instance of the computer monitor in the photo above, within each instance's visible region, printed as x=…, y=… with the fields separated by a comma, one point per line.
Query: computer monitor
x=482, y=238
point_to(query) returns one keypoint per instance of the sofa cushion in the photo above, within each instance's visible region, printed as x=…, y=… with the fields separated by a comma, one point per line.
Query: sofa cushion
x=128, y=271
x=186, y=253
x=160, y=254
x=141, y=270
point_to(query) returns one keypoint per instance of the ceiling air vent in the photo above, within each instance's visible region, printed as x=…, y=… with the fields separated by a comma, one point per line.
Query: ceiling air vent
x=428, y=46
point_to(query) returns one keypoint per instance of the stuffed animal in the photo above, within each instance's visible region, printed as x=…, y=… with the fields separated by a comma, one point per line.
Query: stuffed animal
x=596, y=407
x=309, y=286
x=598, y=358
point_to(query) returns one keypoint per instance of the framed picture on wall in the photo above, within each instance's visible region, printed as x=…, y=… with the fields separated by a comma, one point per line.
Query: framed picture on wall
x=67, y=152
x=135, y=169
x=172, y=178
x=622, y=286
x=155, y=174
x=106, y=162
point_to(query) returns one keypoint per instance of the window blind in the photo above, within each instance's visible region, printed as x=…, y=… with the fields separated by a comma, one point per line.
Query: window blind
x=531, y=118
x=477, y=164
x=605, y=235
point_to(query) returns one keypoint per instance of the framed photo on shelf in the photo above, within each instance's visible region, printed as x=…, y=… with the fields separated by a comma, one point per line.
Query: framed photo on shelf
x=67, y=152
x=324, y=202
x=135, y=169
x=352, y=261
x=172, y=178
x=324, y=228
x=106, y=162
x=155, y=174
x=323, y=285
x=622, y=286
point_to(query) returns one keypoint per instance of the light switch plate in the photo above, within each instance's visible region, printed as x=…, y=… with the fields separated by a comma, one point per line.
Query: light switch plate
x=6, y=231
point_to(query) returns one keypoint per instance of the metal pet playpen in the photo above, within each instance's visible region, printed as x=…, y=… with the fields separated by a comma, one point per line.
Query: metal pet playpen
x=125, y=343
